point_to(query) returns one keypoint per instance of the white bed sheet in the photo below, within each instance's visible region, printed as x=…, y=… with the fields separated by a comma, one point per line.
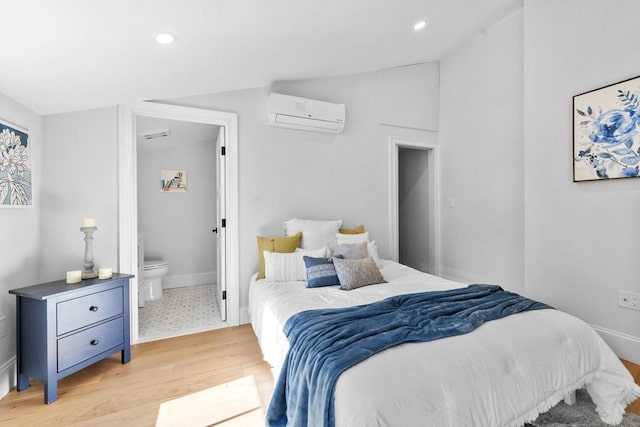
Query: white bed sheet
x=504, y=373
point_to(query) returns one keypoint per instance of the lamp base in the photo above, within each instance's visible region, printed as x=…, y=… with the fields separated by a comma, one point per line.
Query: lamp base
x=91, y=274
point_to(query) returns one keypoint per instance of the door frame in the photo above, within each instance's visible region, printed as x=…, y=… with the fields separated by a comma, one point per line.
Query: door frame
x=221, y=232
x=128, y=195
x=395, y=143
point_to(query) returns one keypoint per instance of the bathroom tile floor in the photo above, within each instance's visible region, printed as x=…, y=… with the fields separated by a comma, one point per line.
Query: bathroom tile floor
x=181, y=311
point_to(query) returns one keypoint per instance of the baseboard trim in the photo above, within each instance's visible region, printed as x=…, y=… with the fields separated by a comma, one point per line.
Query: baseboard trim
x=244, y=316
x=8, y=376
x=182, y=280
x=625, y=346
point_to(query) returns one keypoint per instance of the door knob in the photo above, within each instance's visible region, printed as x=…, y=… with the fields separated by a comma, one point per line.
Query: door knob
x=215, y=230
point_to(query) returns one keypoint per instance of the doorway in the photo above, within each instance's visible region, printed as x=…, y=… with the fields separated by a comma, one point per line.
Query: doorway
x=415, y=237
x=413, y=209
x=227, y=272
x=177, y=204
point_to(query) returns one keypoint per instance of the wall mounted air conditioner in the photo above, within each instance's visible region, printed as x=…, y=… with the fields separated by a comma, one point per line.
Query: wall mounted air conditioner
x=305, y=114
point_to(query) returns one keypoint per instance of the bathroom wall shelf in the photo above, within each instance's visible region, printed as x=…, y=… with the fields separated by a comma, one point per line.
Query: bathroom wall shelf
x=63, y=328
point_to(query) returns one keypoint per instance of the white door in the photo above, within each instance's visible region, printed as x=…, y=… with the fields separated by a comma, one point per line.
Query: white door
x=221, y=223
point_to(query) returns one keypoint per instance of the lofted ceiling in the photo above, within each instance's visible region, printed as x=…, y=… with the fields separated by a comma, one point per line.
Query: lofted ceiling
x=67, y=55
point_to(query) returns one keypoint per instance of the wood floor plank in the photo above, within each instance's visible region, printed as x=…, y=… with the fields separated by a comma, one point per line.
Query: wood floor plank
x=110, y=394
x=223, y=368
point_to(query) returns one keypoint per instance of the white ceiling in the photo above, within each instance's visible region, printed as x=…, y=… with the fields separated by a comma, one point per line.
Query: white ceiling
x=66, y=55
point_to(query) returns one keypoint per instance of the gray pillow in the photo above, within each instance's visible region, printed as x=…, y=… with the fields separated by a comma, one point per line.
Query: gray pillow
x=350, y=250
x=356, y=273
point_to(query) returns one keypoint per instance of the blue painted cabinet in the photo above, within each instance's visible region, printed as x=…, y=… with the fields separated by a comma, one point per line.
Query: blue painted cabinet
x=63, y=328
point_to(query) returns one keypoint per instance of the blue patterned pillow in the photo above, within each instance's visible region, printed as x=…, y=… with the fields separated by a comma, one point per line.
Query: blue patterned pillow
x=320, y=272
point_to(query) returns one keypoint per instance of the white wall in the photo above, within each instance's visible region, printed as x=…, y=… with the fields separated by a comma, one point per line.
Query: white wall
x=481, y=139
x=81, y=180
x=19, y=231
x=177, y=226
x=581, y=239
x=506, y=142
x=409, y=96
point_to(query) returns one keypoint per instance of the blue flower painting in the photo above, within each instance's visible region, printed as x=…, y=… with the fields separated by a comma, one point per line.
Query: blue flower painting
x=15, y=167
x=606, y=132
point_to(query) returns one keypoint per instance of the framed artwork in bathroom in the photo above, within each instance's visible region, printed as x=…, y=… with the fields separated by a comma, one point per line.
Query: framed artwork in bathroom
x=15, y=166
x=173, y=180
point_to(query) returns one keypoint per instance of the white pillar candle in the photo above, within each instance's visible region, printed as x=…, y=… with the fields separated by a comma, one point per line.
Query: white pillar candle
x=74, y=276
x=105, y=273
x=88, y=222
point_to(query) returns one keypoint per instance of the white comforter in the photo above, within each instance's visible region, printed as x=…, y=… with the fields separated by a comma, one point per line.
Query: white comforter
x=504, y=373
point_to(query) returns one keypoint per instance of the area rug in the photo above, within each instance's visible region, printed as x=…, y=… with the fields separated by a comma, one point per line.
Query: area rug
x=580, y=414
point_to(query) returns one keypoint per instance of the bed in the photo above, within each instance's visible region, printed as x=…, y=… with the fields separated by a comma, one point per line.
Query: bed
x=504, y=373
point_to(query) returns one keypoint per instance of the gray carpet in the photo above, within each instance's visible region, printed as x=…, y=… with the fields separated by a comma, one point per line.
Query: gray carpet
x=580, y=414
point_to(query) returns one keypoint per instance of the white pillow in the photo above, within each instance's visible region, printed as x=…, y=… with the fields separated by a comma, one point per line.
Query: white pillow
x=372, y=248
x=315, y=253
x=315, y=234
x=349, y=250
x=285, y=267
x=346, y=239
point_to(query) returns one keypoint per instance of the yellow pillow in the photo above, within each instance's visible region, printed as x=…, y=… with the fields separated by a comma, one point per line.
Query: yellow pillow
x=276, y=244
x=357, y=230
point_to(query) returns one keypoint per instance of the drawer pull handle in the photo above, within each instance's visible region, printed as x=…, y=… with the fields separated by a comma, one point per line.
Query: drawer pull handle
x=94, y=342
x=93, y=308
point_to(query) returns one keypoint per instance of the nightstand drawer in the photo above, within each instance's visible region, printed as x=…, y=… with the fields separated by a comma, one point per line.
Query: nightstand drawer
x=84, y=345
x=79, y=312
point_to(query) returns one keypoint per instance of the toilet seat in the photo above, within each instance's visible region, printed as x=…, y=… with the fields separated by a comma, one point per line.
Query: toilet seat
x=155, y=264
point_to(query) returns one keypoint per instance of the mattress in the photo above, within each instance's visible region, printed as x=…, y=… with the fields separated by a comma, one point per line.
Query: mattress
x=504, y=373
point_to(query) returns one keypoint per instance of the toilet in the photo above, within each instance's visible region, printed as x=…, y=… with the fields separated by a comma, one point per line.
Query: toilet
x=154, y=272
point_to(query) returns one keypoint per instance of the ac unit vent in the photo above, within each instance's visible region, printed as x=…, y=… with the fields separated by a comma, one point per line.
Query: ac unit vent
x=156, y=134
x=305, y=114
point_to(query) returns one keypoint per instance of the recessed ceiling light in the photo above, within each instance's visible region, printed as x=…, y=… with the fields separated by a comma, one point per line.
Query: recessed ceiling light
x=165, y=38
x=420, y=25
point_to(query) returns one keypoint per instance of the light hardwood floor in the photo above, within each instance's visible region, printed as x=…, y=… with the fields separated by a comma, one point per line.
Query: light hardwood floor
x=211, y=378
x=220, y=376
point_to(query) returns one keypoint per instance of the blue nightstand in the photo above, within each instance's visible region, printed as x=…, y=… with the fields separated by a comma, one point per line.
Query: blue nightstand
x=63, y=328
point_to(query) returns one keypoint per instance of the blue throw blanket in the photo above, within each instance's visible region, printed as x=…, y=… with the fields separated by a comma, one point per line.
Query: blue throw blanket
x=325, y=343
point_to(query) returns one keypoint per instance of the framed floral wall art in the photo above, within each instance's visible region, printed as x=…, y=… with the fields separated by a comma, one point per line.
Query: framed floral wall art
x=606, y=132
x=15, y=166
